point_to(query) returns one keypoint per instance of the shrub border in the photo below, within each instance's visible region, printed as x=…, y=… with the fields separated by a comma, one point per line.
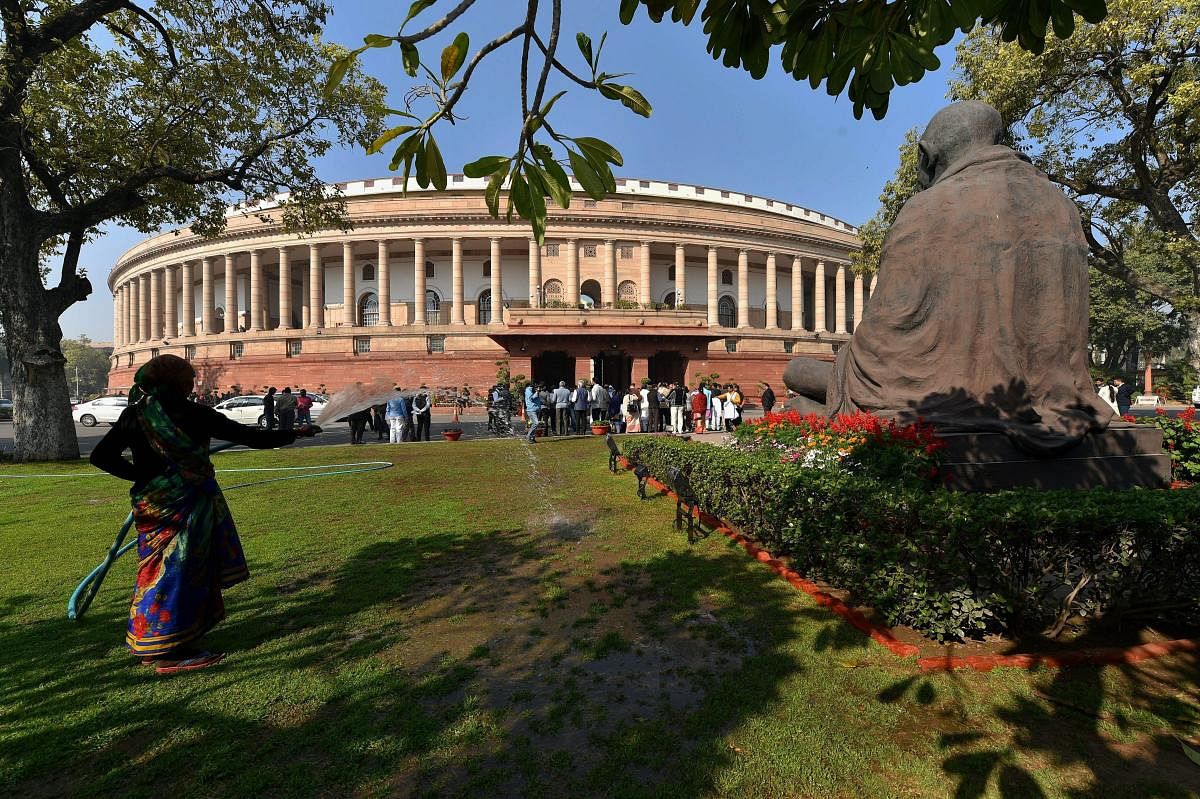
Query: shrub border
x=1093, y=656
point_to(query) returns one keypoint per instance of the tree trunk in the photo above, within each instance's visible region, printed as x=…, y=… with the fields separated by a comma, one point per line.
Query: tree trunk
x=42, y=424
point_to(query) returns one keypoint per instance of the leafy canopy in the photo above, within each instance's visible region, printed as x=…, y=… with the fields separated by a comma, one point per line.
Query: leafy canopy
x=865, y=47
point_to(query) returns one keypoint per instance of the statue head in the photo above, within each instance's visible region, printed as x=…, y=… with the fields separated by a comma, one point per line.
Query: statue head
x=954, y=133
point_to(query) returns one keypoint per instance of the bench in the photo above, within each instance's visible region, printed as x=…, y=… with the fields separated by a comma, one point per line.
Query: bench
x=640, y=470
x=1147, y=400
x=685, y=499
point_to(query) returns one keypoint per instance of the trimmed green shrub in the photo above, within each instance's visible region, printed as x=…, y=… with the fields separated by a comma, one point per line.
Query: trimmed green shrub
x=951, y=564
x=1181, y=440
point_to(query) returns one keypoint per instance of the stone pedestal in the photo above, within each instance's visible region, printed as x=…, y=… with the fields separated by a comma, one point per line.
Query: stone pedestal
x=1124, y=456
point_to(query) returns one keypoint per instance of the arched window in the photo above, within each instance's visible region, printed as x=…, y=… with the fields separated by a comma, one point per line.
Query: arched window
x=726, y=277
x=627, y=291
x=429, y=269
x=487, y=268
x=669, y=300
x=483, y=308
x=368, y=309
x=553, y=291
x=671, y=272
x=589, y=294
x=433, y=307
x=368, y=272
x=727, y=312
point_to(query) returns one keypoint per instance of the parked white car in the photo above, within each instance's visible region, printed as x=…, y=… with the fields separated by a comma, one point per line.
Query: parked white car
x=102, y=409
x=249, y=409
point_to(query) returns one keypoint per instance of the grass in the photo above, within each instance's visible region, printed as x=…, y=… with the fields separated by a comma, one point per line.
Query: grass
x=491, y=619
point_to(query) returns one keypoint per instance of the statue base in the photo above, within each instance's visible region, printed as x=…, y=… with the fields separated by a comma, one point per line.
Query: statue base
x=1123, y=456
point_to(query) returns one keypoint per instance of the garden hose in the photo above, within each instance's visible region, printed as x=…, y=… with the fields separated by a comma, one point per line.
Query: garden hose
x=86, y=591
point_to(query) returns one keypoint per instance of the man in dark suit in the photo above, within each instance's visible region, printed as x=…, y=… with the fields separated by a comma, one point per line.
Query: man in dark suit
x=1124, y=395
x=768, y=398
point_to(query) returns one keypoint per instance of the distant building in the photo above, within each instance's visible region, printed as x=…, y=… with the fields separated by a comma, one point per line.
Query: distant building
x=659, y=280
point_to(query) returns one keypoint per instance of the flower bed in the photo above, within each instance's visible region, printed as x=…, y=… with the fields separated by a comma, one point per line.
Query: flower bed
x=949, y=564
x=1181, y=439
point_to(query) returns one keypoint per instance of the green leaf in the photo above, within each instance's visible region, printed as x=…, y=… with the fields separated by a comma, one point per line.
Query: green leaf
x=435, y=165
x=486, y=165
x=387, y=136
x=1191, y=753
x=407, y=149
x=492, y=195
x=377, y=40
x=545, y=110
x=422, y=166
x=585, y=46
x=338, y=70
x=601, y=148
x=1063, y=20
x=585, y=173
x=559, y=183
x=416, y=8
x=518, y=193
x=628, y=9
x=1091, y=10
x=411, y=58
x=629, y=97
x=454, y=55
x=547, y=184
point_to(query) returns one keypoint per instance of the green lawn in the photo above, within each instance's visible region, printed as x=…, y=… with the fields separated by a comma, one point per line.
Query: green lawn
x=493, y=619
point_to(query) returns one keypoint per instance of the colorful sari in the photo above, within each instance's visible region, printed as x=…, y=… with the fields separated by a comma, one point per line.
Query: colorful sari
x=188, y=548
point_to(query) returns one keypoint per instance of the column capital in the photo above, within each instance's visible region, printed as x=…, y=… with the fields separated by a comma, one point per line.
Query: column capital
x=609, y=242
x=495, y=238
x=679, y=246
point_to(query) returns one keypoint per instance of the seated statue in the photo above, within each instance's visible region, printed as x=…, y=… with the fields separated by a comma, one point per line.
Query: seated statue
x=979, y=317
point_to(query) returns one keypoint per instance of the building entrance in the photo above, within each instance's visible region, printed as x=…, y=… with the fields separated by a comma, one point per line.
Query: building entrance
x=613, y=368
x=551, y=367
x=667, y=366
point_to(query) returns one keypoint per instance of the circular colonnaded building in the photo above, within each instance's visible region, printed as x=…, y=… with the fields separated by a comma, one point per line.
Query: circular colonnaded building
x=659, y=280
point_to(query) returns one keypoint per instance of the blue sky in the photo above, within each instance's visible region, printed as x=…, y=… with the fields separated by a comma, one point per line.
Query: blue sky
x=711, y=125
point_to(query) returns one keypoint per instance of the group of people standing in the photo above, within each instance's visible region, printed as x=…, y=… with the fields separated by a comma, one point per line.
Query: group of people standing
x=284, y=410
x=402, y=418
x=1116, y=393
x=663, y=407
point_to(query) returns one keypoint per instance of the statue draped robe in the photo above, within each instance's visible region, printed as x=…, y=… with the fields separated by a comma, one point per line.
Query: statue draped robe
x=980, y=313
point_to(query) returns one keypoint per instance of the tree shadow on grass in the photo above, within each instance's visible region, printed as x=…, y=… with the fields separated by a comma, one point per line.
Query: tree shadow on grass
x=1107, y=724
x=372, y=678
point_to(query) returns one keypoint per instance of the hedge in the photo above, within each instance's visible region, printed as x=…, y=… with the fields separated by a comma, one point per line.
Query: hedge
x=951, y=564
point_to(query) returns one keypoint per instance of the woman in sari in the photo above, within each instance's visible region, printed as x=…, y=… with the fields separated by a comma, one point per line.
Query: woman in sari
x=188, y=547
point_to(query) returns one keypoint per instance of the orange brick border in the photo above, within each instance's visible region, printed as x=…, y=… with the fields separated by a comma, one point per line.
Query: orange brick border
x=1095, y=656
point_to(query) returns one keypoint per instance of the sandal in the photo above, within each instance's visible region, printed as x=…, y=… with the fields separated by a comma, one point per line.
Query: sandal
x=199, y=661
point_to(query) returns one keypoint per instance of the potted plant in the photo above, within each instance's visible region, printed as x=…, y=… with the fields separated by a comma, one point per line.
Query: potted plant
x=453, y=432
x=600, y=428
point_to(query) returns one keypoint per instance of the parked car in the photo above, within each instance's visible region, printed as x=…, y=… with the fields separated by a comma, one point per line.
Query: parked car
x=249, y=409
x=101, y=409
x=6, y=409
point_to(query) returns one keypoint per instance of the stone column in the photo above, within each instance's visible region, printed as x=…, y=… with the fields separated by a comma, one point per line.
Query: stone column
x=316, y=288
x=187, y=283
x=156, y=305
x=572, y=288
x=349, y=311
x=285, y=290
x=117, y=318
x=680, y=276
x=231, y=301
x=170, y=320
x=858, y=300
x=535, y=274
x=144, y=308
x=125, y=314
x=713, y=278
x=497, y=283
x=797, y=293
x=839, y=295
x=819, y=320
x=772, y=293
x=208, y=300
x=644, y=274
x=743, y=288
x=610, y=273
x=418, y=282
x=135, y=312
x=256, y=292
x=457, y=317
x=385, y=283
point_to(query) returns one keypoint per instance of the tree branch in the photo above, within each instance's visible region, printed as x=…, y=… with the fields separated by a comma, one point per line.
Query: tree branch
x=454, y=14
x=72, y=287
x=162, y=31
x=494, y=44
x=587, y=84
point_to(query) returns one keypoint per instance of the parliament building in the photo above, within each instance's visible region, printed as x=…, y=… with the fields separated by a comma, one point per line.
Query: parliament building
x=659, y=280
